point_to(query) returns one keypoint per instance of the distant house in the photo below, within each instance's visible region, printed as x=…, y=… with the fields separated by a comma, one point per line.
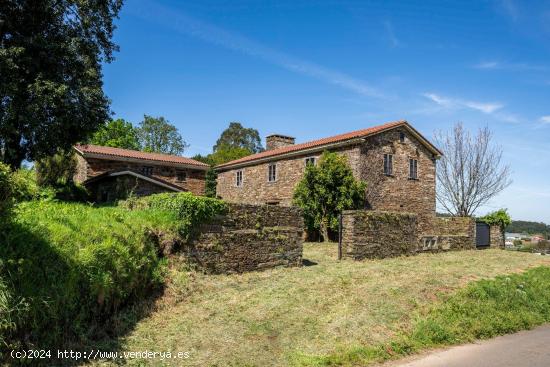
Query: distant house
x=394, y=158
x=113, y=173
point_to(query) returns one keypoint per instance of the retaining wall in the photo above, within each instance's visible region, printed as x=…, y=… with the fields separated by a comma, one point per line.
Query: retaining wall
x=368, y=234
x=449, y=233
x=247, y=238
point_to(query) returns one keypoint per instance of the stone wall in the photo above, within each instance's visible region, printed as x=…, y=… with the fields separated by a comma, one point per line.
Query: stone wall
x=449, y=233
x=497, y=237
x=370, y=234
x=378, y=234
x=91, y=167
x=249, y=238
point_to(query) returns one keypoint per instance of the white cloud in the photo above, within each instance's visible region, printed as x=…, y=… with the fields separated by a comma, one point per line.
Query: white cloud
x=487, y=65
x=545, y=119
x=452, y=103
x=499, y=65
x=210, y=33
x=391, y=34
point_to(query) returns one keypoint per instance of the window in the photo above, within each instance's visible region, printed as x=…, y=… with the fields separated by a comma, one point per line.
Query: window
x=413, y=169
x=239, y=178
x=147, y=170
x=388, y=164
x=310, y=160
x=272, y=173
x=181, y=176
x=402, y=137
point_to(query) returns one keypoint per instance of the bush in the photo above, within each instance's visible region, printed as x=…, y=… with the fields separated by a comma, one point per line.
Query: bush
x=72, y=266
x=6, y=191
x=25, y=185
x=57, y=170
x=191, y=210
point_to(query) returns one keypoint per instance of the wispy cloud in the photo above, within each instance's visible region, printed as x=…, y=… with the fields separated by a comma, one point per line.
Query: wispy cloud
x=499, y=65
x=510, y=8
x=215, y=35
x=454, y=103
x=545, y=119
x=394, y=41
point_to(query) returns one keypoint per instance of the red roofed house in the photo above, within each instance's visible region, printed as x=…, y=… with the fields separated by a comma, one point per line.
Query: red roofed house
x=114, y=173
x=395, y=160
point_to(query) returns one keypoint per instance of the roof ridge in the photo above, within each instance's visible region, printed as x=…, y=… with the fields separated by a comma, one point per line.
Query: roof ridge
x=136, y=154
x=315, y=143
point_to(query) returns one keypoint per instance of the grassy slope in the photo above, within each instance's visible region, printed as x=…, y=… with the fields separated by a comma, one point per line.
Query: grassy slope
x=274, y=317
x=72, y=262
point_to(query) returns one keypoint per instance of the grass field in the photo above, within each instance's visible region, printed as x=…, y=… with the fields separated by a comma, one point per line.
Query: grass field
x=275, y=317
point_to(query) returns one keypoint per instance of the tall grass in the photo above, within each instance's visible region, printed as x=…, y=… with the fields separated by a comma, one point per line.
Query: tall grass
x=66, y=267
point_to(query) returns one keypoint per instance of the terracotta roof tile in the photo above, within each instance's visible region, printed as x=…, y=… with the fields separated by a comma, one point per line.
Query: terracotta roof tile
x=110, y=152
x=316, y=143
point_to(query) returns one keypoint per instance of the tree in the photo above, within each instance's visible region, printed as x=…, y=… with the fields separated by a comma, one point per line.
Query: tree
x=471, y=171
x=237, y=136
x=158, y=135
x=325, y=190
x=118, y=134
x=57, y=170
x=51, y=57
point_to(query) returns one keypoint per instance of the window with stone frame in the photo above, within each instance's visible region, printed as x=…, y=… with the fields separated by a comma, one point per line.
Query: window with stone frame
x=413, y=169
x=147, y=170
x=388, y=164
x=239, y=178
x=272, y=172
x=181, y=176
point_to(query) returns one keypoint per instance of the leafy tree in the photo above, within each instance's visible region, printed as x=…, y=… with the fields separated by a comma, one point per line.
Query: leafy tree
x=158, y=135
x=210, y=184
x=325, y=190
x=470, y=172
x=237, y=136
x=51, y=57
x=57, y=170
x=118, y=134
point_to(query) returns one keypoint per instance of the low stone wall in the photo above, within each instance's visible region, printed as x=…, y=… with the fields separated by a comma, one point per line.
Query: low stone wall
x=247, y=238
x=368, y=234
x=449, y=233
x=497, y=237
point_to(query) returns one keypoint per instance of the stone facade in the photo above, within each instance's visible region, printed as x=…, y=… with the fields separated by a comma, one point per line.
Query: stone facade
x=249, y=238
x=368, y=234
x=396, y=192
x=194, y=181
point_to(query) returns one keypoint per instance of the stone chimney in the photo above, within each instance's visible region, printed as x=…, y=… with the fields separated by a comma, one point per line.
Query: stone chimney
x=275, y=141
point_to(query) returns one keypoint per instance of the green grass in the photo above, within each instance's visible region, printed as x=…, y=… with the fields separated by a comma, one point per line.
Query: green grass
x=334, y=312
x=66, y=267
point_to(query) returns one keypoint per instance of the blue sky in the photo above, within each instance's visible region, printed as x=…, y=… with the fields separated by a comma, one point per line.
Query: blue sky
x=312, y=69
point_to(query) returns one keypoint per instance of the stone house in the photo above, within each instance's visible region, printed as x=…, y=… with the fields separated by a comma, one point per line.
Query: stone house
x=113, y=173
x=394, y=159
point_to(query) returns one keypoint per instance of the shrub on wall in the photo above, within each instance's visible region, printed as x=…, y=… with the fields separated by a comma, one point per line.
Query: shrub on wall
x=191, y=210
x=499, y=218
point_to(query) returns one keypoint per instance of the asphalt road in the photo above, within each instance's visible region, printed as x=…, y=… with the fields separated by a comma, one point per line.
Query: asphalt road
x=524, y=349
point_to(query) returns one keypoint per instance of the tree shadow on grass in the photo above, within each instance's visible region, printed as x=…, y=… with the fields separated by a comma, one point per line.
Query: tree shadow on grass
x=49, y=303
